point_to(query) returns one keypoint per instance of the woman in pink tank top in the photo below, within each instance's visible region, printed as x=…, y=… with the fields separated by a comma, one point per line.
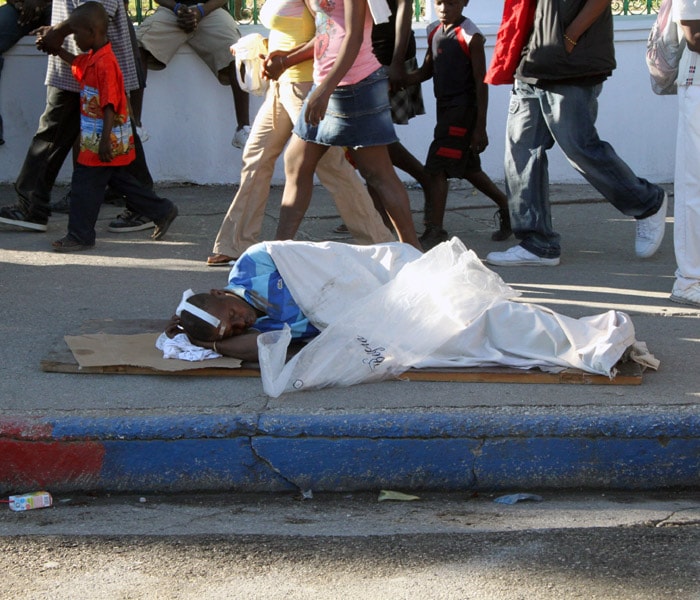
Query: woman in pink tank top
x=347, y=106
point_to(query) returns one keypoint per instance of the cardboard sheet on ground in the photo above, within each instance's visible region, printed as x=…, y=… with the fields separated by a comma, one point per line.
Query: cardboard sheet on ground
x=387, y=311
x=135, y=354
x=137, y=350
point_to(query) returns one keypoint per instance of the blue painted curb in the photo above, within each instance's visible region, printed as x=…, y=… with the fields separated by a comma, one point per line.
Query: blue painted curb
x=342, y=452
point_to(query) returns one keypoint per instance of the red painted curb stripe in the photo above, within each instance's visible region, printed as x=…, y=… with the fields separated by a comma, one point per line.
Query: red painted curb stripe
x=27, y=464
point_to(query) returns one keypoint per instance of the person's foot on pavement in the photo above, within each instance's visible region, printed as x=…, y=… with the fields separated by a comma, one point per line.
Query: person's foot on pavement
x=14, y=215
x=688, y=297
x=518, y=256
x=432, y=236
x=129, y=221
x=68, y=244
x=502, y=218
x=163, y=225
x=241, y=137
x=62, y=205
x=219, y=260
x=650, y=232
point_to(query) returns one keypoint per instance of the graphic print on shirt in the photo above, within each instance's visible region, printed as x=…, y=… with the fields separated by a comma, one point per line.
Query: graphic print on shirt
x=91, y=116
x=325, y=26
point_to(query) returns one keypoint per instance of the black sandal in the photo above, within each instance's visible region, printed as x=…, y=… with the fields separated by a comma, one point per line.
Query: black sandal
x=68, y=244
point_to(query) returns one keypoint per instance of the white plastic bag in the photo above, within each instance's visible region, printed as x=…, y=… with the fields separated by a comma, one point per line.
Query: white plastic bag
x=247, y=53
x=664, y=49
x=387, y=330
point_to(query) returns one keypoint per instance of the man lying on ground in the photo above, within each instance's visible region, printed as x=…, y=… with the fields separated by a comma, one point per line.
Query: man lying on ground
x=372, y=312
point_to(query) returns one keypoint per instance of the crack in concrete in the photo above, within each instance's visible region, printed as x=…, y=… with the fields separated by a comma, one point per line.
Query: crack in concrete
x=259, y=457
x=476, y=453
x=669, y=522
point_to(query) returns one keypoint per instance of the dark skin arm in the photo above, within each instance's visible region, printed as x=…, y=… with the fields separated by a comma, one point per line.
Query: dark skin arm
x=243, y=347
x=424, y=73
x=585, y=18
x=188, y=17
x=105, y=149
x=317, y=101
x=50, y=37
x=278, y=61
x=402, y=32
x=479, y=139
x=691, y=32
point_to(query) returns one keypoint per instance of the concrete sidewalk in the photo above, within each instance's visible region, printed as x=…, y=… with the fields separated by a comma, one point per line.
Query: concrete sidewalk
x=65, y=432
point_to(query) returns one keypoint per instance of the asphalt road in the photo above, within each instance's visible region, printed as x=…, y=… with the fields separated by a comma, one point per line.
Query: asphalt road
x=596, y=546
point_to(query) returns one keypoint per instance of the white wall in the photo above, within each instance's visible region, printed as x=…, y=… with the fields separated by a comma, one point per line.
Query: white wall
x=190, y=117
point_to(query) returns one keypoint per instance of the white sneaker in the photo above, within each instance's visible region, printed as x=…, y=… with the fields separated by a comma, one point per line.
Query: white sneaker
x=689, y=297
x=241, y=137
x=519, y=256
x=650, y=232
x=143, y=134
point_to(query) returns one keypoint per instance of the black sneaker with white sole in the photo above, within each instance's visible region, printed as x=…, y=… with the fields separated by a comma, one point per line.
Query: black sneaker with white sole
x=14, y=215
x=129, y=221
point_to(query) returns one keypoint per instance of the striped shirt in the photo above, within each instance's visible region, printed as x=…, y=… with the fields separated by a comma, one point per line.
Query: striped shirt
x=58, y=72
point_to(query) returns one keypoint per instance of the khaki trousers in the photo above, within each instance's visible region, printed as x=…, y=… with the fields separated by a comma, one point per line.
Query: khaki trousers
x=270, y=132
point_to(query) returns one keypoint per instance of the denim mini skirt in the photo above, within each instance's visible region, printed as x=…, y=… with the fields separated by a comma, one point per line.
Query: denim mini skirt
x=357, y=115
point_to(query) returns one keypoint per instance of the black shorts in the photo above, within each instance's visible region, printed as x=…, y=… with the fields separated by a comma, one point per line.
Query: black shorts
x=449, y=151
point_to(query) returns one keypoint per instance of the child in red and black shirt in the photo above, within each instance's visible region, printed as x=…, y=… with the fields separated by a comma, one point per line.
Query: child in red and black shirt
x=106, y=136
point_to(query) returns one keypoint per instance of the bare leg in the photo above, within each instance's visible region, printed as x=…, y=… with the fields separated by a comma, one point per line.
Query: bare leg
x=377, y=201
x=300, y=160
x=375, y=166
x=482, y=182
x=402, y=159
x=438, y=199
x=241, y=100
x=136, y=96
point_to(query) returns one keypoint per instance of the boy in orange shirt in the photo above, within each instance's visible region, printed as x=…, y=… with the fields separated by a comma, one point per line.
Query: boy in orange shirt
x=106, y=136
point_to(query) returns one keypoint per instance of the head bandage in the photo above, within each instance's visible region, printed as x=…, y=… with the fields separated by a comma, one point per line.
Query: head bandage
x=195, y=310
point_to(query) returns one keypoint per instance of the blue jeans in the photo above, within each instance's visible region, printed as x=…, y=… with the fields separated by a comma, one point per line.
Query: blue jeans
x=358, y=115
x=565, y=114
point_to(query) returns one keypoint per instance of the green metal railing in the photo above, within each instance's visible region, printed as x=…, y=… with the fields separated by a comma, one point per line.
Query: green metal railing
x=243, y=12
x=248, y=11
x=635, y=7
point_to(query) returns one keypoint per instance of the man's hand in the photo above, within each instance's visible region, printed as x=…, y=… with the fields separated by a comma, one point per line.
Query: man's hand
x=274, y=65
x=316, y=105
x=48, y=39
x=105, y=148
x=397, y=76
x=188, y=17
x=173, y=327
x=479, y=141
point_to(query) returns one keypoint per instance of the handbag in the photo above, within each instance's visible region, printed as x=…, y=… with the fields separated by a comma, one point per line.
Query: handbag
x=249, y=65
x=665, y=47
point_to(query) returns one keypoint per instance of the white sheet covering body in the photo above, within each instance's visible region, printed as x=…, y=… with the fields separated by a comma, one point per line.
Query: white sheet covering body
x=384, y=309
